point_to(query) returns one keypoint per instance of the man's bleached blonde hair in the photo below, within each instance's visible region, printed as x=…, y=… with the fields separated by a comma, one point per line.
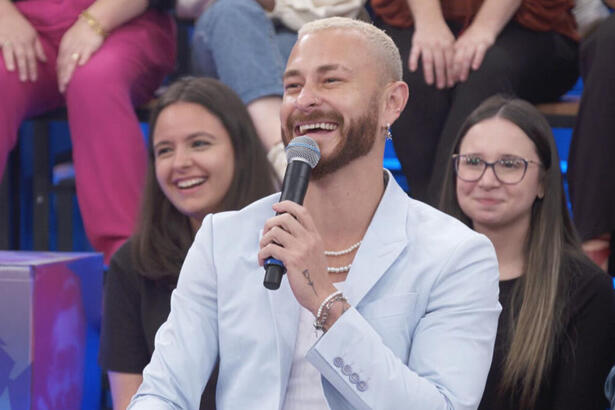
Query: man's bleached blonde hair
x=379, y=43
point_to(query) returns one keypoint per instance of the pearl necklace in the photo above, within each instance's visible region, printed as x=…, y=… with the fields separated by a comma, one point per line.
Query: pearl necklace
x=341, y=269
x=343, y=251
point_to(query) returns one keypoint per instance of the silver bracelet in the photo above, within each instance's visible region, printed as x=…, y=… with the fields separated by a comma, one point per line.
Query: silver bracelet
x=324, y=302
x=319, y=323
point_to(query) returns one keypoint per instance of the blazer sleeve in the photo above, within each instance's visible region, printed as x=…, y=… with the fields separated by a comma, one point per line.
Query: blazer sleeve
x=450, y=350
x=185, y=354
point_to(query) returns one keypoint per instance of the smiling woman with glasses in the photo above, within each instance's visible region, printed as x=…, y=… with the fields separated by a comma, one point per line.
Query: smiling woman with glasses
x=554, y=346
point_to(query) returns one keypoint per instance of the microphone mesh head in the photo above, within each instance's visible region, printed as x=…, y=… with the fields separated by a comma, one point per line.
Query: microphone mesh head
x=303, y=149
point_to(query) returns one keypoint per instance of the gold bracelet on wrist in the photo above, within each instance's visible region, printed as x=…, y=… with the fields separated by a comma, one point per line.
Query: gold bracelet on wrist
x=94, y=24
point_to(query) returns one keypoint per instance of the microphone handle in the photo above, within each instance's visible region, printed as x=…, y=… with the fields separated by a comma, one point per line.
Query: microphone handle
x=294, y=187
x=295, y=182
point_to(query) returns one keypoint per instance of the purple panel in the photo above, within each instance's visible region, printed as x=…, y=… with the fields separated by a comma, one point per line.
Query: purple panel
x=59, y=339
x=46, y=301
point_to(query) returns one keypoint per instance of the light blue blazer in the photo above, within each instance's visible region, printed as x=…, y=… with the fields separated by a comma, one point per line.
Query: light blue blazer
x=420, y=333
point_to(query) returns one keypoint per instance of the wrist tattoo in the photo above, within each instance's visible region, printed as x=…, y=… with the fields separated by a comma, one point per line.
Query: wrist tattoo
x=306, y=274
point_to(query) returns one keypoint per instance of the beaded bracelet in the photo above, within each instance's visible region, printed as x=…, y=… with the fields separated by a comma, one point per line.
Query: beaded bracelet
x=94, y=24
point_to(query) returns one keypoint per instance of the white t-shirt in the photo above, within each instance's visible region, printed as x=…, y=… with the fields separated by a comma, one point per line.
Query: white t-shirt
x=304, y=390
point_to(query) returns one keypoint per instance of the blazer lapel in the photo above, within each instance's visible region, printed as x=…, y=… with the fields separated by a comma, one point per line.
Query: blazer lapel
x=383, y=242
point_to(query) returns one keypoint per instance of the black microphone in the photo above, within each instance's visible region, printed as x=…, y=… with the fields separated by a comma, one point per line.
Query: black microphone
x=302, y=154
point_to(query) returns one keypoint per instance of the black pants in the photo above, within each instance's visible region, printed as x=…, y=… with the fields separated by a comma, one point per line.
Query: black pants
x=535, y=66
x=591, y=170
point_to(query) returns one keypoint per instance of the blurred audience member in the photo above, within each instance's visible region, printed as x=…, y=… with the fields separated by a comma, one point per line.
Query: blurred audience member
x=205, y=157
x=554, y=346
x=591, y=172
x=245, y=47
x=97, y=58
x=460, y=52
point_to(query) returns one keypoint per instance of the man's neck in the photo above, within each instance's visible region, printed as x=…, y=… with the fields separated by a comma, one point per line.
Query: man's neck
x=343, y=204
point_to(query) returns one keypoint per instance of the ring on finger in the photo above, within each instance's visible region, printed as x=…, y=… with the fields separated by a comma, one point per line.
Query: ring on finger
x=75, y=56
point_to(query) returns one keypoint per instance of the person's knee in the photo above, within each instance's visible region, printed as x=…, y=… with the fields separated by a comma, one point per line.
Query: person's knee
x=97, y=78
x=218, y=25
x=9, y=84
x=230, y=13
x=493, y=75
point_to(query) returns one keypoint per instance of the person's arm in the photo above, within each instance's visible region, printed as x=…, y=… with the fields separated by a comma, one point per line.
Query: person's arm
x=123, y=387
x=87, y=35
x=451, y=348
x=432, y=42
x=610, y=3
x=589, y=347
x=473, y=43
x=19, y=41
x=186, y=345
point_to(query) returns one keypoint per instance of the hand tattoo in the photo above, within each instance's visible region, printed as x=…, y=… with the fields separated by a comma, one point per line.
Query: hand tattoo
x=306, y=274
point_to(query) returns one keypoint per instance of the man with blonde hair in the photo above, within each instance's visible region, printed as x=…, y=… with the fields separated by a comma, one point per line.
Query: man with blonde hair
x=386, y=303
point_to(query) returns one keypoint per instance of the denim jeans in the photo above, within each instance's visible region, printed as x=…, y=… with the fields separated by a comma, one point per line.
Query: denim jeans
x=237, y=43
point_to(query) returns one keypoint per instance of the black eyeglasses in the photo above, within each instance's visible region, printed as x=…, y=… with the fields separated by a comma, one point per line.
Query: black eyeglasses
x=508, y=170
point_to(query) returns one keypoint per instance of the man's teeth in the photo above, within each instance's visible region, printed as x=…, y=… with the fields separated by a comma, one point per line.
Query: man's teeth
x=189, y=183
x=322, y=125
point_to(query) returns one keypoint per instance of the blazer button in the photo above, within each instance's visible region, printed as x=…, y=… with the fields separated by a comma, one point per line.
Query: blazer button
x=361, y=386
x=347, y=370
x=354, y=378
x=338, y=362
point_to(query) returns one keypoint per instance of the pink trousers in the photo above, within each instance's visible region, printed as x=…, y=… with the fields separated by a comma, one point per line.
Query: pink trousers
x=108, y=147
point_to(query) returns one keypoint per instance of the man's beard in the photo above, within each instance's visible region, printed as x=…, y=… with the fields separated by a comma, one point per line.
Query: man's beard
x=355, y=143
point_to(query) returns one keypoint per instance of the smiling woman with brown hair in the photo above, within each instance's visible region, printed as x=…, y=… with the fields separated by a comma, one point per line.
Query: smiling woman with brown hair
x=554, y=346
x=205, y=157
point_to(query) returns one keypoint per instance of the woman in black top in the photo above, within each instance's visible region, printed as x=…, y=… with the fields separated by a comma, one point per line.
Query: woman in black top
x=554, y=345
x=205, y=157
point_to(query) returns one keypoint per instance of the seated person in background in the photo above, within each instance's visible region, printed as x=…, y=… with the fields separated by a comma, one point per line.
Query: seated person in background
x=591, y=172
x=459, y=52
x=414, y=321
x=98, y=58
x=205, y=157
x=556, y=334
x=239, y=43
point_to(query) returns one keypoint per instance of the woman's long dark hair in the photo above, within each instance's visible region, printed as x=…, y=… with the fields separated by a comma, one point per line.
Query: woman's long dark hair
x=164, y=234
x=552, y=246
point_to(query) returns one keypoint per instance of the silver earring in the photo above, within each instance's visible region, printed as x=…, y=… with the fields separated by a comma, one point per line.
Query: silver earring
x=388, y=135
